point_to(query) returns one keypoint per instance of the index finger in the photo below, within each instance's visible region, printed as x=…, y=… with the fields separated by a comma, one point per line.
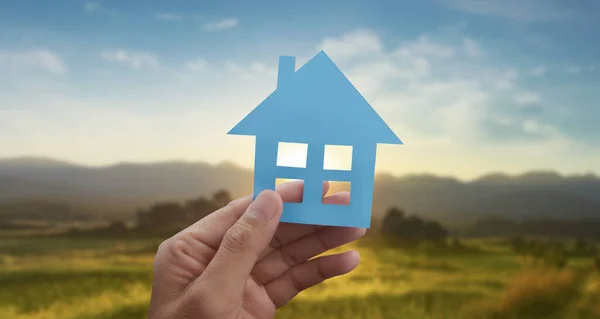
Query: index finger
x=211, y=229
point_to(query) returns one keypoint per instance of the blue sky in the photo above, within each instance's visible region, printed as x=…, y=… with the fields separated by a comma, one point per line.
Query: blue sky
x=470, y=86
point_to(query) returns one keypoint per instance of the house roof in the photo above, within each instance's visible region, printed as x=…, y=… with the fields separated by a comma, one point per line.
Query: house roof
x=317, y=103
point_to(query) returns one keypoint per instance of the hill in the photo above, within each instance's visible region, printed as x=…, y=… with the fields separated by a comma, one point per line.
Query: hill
x=127, y=186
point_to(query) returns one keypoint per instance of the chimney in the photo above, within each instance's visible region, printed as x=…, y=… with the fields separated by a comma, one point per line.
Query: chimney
x=287, y=67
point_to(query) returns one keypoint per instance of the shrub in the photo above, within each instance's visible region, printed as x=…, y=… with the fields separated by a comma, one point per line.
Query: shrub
x=519, y=245
x=540, y=294
x=548, y=253
x=555, y=256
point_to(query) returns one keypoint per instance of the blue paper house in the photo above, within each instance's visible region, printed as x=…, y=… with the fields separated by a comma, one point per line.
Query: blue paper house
x=318, y=106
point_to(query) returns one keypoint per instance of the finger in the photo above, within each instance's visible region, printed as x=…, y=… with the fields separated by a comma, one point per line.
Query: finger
x=308, y=274
x=228, y=271
x=184, y=256
x=287, y=233
x=299, y=251
x=293, y=191
x=211, y=229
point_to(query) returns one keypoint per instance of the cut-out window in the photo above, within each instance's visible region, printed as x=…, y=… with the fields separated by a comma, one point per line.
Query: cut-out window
x=334, y=196
x=338, y=157
x=292, y=154
x=279, y=181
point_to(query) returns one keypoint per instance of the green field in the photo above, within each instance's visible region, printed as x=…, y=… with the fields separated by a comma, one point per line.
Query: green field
x=61, y=277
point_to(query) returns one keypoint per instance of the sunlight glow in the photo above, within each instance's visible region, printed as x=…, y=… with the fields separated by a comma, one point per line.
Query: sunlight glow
x=292, y=154
x=338, y=157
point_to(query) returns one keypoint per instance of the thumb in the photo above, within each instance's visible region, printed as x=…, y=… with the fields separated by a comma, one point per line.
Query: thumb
x=231, y=266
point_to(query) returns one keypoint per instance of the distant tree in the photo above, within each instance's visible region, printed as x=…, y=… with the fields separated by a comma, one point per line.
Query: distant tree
x=142, y=218
x=396, y=212
x=165, y=215
x=434, y=231
x=519, y=246
x=198, y=208
x=169, y=215
x=455, y=242
x=580, y=245
x=221, y=198
x=549, y=253
x=411, y=229
x=393, y=218
x=555, y=255
x=118, y=226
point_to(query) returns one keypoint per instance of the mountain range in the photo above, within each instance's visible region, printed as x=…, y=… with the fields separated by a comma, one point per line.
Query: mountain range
x=126, y=186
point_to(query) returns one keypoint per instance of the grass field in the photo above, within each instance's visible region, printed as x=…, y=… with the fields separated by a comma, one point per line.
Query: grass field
x=76, y=278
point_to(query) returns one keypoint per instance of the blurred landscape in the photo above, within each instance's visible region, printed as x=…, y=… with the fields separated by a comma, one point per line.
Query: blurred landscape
x=113, y=122
x=78, y=242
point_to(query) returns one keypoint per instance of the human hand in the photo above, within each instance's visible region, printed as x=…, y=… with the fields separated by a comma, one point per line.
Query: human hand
x=240, y=262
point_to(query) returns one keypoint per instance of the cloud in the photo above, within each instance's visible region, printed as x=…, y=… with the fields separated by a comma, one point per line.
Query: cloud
x=519, y=10
x=431, y=90
x=221, y=25
x=37, y=59
x=456, y=114
x=353, y=45
x=506, y=80
x=423, y=46
x=112, y=134
x=197, y=65
x=534, y=127
x=434, y=94
x=169, y=16
x=134, y=59
x=528, y=98
x=374, y=66
x=472, y=48
x=540, y=70
x=95, y=7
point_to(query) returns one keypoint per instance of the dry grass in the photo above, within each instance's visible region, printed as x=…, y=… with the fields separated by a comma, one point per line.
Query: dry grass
x=110, y=279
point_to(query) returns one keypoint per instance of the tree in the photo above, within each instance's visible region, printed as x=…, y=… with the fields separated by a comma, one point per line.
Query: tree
x=198, y=208
x=555, y=255
x=580, y=245
x=142, y=218
x=411, y=229
x=549, y=253
x=434, y=231
x=519, y=246
x=221, y=198
x=456, y=242
x=393, y=218
x=118, y=226
x=169, y=215
x=166, y=215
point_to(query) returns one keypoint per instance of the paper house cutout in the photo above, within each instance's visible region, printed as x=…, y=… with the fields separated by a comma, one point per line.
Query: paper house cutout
x=318, y=106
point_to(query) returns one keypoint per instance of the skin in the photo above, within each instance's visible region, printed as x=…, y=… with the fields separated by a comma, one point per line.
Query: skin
x=240, y=262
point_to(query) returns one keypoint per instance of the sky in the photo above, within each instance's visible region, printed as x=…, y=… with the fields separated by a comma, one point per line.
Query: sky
x=470, y=86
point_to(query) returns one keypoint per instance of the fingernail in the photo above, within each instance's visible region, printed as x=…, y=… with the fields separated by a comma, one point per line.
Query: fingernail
x=266, y=206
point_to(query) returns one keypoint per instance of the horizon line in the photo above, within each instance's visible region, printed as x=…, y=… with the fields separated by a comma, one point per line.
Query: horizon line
x=589, y=173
